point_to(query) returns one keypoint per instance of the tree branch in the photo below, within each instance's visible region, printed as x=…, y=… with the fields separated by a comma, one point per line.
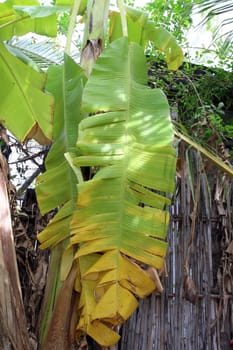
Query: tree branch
x=28, y=182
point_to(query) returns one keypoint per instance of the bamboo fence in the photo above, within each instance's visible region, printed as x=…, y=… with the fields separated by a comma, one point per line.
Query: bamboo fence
x=195, y=310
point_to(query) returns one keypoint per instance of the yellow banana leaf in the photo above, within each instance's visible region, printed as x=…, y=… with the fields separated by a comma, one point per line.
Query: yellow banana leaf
x=130, y=275
x=122, y=216
x=87, y=306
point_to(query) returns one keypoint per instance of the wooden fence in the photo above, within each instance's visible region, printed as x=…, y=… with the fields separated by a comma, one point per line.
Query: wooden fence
x=195, y=310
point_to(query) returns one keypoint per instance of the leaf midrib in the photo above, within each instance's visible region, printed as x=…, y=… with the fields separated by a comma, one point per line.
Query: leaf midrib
x=126, y=149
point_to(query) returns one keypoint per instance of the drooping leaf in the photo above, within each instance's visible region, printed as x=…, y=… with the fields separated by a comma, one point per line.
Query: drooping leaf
x=66, y=84
x=139, y=283
x=142, y=30
x=165, y=43
x=87, y=304
x=122, y=212
x=56, y=188
x=219, y=163
x=24, y=87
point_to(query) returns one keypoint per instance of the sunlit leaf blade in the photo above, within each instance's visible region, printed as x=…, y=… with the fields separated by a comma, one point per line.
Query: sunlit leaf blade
x=122, y=210
x=142, y=30
x=57, y=186
x=40, y=11
x=19, y=23
x=64, y=2
x=67, y=94
x=8, y=14
x=23, y=87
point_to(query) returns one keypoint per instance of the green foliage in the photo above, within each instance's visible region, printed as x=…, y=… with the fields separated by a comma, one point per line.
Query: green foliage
x=34, y=107
x=203, y=97
x=66, y=85
x=63, y=22
x=207, y=91
x=209, y=123
x=175, y=16
x=19, y=20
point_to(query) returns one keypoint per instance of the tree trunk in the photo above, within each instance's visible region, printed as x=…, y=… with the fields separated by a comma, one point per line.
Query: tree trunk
x=13, y=326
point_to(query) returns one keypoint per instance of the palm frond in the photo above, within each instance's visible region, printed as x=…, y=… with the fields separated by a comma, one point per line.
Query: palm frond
x=219, y=9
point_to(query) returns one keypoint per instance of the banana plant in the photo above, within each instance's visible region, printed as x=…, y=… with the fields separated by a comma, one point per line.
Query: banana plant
x=109, y=234
x=121, y=215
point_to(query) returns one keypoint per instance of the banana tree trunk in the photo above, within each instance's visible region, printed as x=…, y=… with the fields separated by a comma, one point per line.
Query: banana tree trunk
x=13, y=326
x=94, y=36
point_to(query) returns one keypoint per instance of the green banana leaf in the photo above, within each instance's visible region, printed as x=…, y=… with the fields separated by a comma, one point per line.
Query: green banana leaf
x=13, y=22
x=57, y=186
x=24, y=87
x=122, y=211
x=40, y=11
x=64, y=2
x=142, y=30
